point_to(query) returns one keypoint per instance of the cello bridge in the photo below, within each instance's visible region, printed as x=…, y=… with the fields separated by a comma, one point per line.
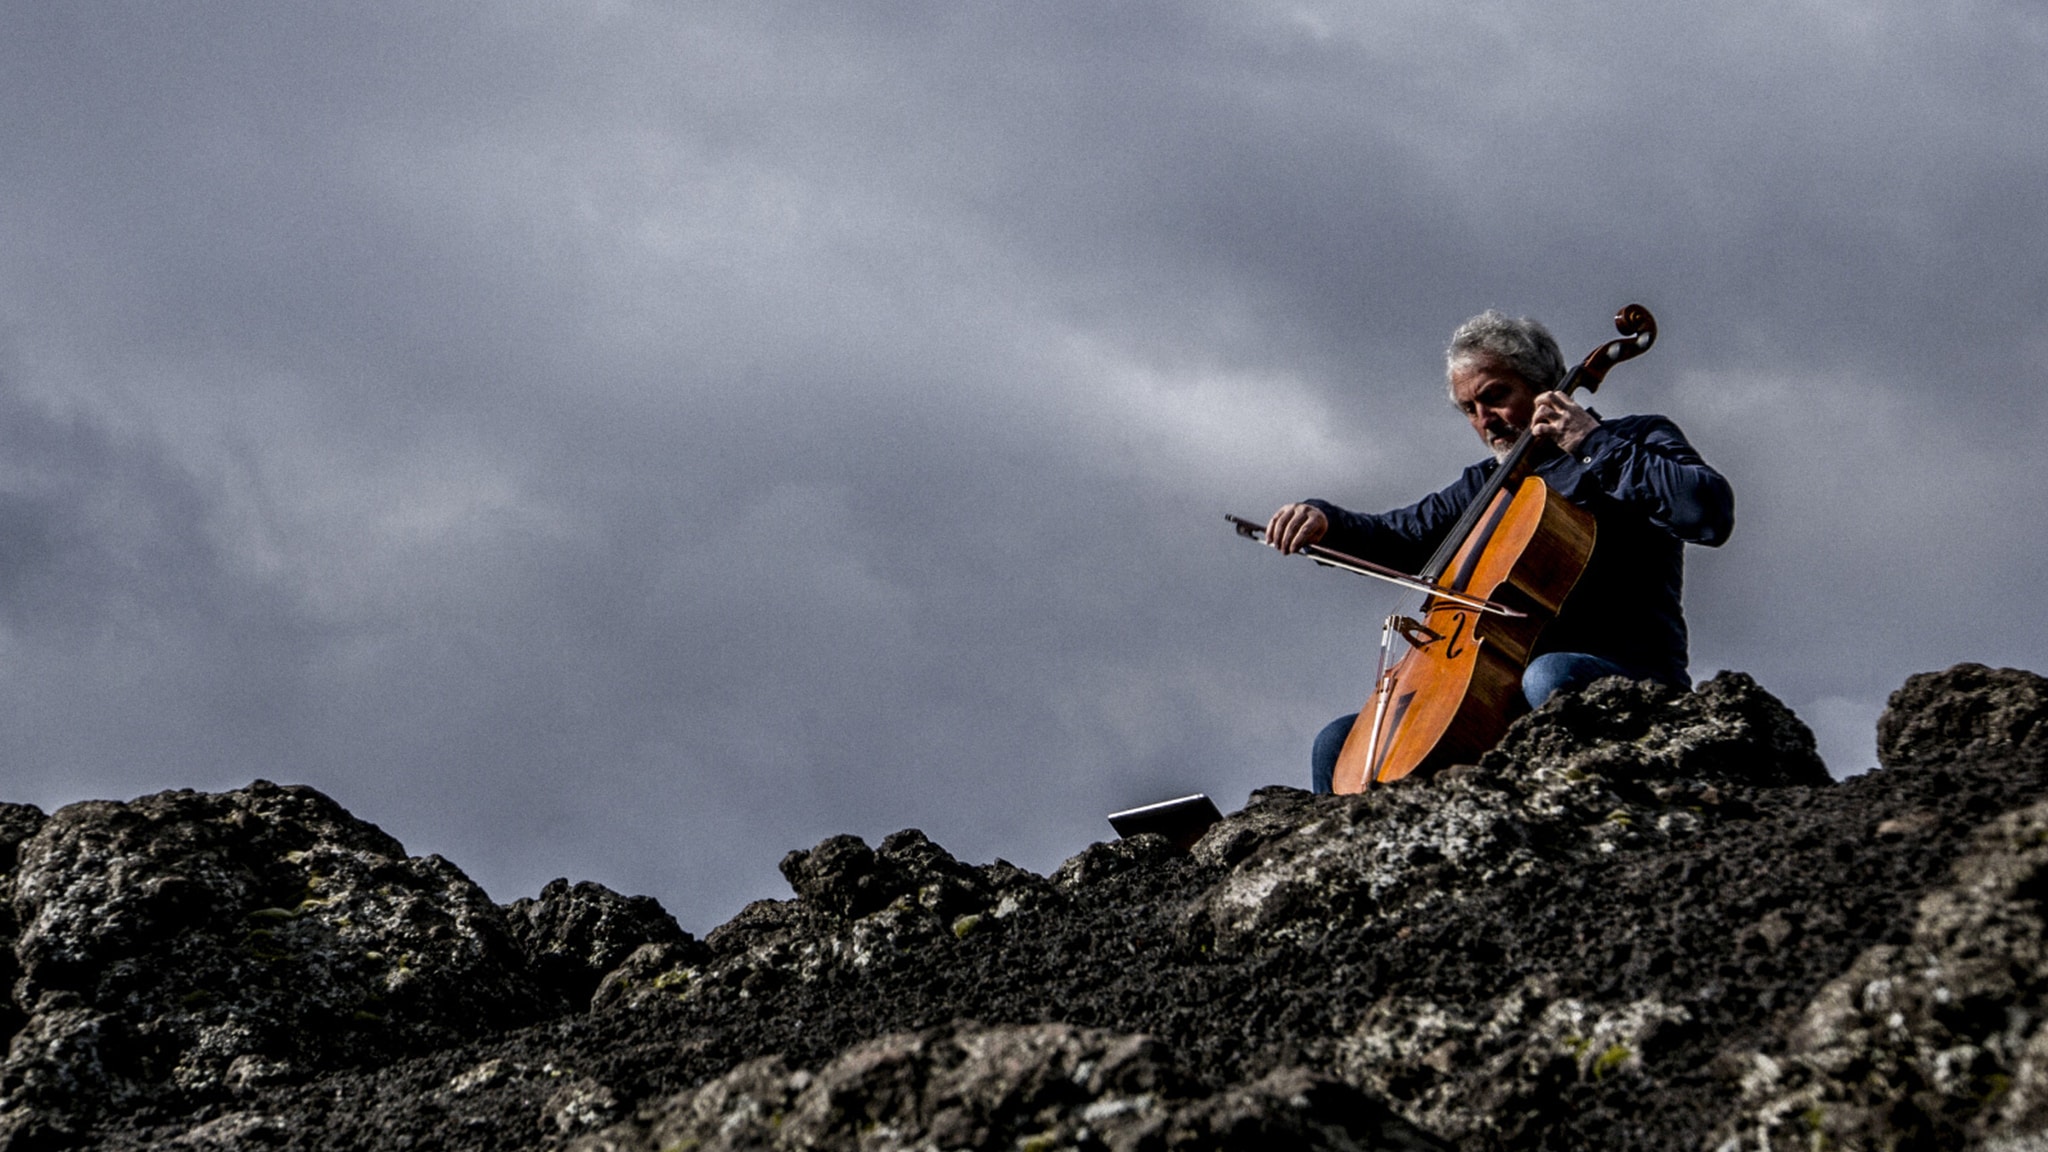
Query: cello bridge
x=1415, y=632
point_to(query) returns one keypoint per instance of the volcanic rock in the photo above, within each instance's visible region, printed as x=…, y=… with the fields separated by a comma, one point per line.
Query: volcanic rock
x=575, y=935
x=1967, y=713
x=1031, y=1086
x=1936, y=1043
x=1622, y=767
x=1648, y=919
x=18, y=822
x=186, y=947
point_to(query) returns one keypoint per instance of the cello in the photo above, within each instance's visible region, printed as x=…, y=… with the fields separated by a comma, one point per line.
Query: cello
x=1501, y=574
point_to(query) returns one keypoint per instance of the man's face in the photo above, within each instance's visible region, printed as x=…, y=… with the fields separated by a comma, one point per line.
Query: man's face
x=1496, y=402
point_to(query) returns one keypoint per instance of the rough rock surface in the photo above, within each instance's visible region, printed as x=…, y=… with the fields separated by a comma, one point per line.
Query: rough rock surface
x=1646, y=920
x=18, y=822
x=186, y=949
x=1621, y=768
x=1936, y=1043
x=1965, y=714
x=575, y=935
x=1030, y=1086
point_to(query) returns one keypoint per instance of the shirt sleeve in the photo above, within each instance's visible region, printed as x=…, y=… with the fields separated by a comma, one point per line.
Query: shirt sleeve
x=1405, y=537
x=1653, y=468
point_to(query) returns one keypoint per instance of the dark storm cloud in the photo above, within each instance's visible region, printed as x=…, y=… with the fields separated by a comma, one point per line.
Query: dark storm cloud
x=138, y=647
x=631, y=441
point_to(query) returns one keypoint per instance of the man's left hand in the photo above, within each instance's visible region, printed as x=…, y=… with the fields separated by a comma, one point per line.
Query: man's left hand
x=1561, y=421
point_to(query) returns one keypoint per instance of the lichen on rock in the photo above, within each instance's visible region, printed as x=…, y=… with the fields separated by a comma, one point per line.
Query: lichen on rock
x=857, y=907
x=188, y=947
x=1934, y=1042
x=575, y=935
x=1645, y=914
x=18, y=822
x=1460, y=1071
x=1622, y=766
x=1044, y=1086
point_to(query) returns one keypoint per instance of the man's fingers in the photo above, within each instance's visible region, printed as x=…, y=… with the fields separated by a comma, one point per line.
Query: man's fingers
x=1559, y=419
x=1294, y=527
x=1277, y=529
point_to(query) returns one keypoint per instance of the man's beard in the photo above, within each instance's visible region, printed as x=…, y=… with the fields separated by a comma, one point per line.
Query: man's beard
x=1500, y=440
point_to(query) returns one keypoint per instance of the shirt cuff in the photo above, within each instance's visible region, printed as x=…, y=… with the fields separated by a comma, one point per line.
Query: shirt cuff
x=1592, y=453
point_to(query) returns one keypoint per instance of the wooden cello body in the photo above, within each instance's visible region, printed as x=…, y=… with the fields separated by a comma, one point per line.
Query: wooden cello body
x=1451, y=697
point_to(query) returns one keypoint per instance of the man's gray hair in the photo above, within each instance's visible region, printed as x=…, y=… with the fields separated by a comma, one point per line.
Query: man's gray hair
x=1522, y=346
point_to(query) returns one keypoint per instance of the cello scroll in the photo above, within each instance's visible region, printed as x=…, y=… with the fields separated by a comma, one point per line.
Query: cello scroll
x=1638, y=330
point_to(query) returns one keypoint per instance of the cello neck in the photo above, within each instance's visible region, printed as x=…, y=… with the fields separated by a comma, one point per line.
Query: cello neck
x=1511, y=467
x=1638, y=331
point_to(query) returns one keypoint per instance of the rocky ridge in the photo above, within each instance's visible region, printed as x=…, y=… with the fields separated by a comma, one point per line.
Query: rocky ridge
x=1647, y=920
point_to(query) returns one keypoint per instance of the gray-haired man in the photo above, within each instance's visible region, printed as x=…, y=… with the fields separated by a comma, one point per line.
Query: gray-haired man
x=1647, y=488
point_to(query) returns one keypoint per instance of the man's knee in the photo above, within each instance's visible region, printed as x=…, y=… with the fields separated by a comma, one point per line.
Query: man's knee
x=1555, y=672
x=1329, y=744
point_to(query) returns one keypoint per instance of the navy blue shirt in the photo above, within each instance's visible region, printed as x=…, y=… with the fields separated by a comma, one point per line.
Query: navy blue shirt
x=1650, y=493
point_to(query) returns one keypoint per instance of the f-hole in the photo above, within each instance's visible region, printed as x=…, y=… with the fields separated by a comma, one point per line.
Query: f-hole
x=1451, y=651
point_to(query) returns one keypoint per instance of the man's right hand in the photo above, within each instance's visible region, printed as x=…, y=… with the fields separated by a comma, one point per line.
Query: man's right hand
x=1296, y=527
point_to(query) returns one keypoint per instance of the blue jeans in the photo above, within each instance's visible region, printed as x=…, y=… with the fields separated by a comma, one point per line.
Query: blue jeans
x=1555, y=672
x=1546, y=676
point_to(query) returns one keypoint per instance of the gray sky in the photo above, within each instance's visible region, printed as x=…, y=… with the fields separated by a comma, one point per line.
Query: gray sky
x=629, y=441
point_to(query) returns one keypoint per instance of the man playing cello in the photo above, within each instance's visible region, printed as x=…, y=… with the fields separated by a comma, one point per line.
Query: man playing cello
x=1647, y=489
